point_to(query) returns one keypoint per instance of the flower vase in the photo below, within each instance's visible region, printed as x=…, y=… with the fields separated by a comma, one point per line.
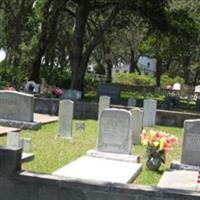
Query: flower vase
x=154, y=162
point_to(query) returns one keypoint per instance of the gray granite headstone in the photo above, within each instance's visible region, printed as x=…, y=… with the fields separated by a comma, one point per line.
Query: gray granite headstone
x=132, y=102
x=16, y=106
x=104, y=103
x=115, y=134
x=150, y=107
x=66, y=109
x=191, y=143
x=13, y=139
x=73, y=95
x=113, y=91
x=137, y=115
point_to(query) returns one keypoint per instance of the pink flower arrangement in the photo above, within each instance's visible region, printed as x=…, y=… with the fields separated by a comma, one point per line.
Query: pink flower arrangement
x=157, y=142
x=56, y=91
x=11, y=88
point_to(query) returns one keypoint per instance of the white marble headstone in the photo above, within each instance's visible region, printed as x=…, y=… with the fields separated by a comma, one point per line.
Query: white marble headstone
x=65, y=121
x=150, y=107
x=191, y=143
x=27, y=145
x=197, y=89
x=13, y=139
x=115, y=133
x=104, y=103
x=177, y=86
x=137, y=115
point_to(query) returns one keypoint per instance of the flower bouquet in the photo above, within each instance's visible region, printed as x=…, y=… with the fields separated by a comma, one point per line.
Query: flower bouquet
x=157, y=144
x=56, y=92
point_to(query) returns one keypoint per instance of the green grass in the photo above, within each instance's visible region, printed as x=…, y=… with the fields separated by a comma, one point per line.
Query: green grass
x=52, y=152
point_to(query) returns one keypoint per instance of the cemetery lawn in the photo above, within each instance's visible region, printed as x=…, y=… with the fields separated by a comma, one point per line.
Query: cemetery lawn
x=52, y=152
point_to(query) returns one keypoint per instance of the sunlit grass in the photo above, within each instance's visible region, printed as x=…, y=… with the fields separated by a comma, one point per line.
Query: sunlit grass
x=52, y=152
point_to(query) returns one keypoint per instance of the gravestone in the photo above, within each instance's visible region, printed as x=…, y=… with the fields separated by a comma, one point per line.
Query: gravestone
x=137, y=115
x=197, y=89
x=104, y=103
x=132, y=102
x=16, y=106
x=73, y=95
x=115, y=134
x=27, y=146
x=65, y=120
x=13, y=139
x=191, y=143
x=176, y=86
x=150, y=107
x=113, y=91
x=36, y=88
x=112, y=162
x=80, y=125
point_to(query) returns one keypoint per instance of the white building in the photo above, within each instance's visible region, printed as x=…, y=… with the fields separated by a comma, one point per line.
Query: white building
x=147, y=65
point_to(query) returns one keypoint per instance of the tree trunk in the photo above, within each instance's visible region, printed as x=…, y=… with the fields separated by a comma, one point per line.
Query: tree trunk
x=186, y=70
x=158, y=71
x=49, y=27
x=108, y=60
x=76, y=54
x=133, y=63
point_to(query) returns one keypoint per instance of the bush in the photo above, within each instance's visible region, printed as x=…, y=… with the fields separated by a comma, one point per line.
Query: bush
x=169, y=80
x=134, y=79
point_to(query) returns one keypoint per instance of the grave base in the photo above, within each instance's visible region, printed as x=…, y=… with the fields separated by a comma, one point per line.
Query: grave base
x=27, y=157
x=178, y=165
x=180, y=180
x=20, y=124
x=99, y=169
x=114, y=156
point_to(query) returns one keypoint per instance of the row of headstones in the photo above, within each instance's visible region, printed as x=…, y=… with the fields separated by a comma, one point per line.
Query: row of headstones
x=140, y=118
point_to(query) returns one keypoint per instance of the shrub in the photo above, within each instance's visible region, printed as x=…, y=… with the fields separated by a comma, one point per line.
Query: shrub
x=134, y=79
x=169, y=80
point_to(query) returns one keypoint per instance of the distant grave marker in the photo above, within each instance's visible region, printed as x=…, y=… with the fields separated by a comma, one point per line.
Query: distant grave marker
x=177, y=86
x=150, y=107
x=65, y=121
x=112, y=91
x=132, y=102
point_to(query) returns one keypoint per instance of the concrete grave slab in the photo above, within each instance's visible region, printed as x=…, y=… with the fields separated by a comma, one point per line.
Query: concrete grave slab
x=100, y=169
x=180, y=179
x=4, y=130
x=44, y=118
